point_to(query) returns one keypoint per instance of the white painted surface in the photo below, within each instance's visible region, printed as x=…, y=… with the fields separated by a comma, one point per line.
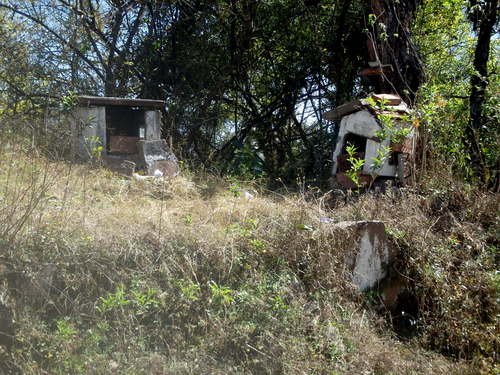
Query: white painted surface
x=369, y=256
x=368, y=268
x=364, y=124
x=371, y=153
x=361, y=123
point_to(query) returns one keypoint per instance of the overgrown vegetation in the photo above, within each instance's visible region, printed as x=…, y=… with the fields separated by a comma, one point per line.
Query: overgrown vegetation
x=448, y=45
x=110, y=275
x=105, y=274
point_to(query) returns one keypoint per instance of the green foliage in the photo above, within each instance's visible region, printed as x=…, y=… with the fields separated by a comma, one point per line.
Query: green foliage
x=444, y=37
x=220, y=295
x=113, y=301
x=235, y=188
x=141, y=299
x=246, y=163
x=94, y=147
x=69, y=101
x=145, y=300
x=188, y=219
x=65, y=329
x=377, y=162
x=190, y=290
x=356, y=165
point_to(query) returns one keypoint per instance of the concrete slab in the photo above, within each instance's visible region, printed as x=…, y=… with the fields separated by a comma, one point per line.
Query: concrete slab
x=370, y=255
x=155, y=155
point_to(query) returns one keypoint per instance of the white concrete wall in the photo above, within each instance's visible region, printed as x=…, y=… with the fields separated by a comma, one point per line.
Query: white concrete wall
x=371, y=152
x=371, y=260
x=361, y=123
x=364, y=124
x=369, y=256
x=88, y=124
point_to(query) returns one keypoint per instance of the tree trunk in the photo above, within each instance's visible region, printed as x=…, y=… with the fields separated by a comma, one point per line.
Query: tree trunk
x=479, y=81
x=391, y=43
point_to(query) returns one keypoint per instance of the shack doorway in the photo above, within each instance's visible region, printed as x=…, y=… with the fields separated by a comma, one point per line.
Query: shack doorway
x=124, y=127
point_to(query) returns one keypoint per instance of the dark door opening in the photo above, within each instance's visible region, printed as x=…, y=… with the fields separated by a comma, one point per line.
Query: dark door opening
x=124, y=127
x=359, y=144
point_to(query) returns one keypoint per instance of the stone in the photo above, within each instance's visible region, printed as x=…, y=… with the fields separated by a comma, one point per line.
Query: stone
x=370, y=256
x=164, y=168
x=388, y=99
x=155, y=155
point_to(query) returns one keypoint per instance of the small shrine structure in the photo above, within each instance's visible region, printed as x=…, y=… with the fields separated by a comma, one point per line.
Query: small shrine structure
x=123, y=133
x=361, y=124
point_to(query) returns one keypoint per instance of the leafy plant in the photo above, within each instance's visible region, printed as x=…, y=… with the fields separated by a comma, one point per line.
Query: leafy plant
x=113, y=301
x=65, y=329
x=190, y=290
x=69, y=101
x=94, y=147
x=356, y=165
x=258, y=245
x=235, y=189
x=220, y=295
x=145, y=300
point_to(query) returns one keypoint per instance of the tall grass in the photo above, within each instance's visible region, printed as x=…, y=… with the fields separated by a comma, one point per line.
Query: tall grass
x=106, y=274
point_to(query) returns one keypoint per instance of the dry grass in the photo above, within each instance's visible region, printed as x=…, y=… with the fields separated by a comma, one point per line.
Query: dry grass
x=186, y=276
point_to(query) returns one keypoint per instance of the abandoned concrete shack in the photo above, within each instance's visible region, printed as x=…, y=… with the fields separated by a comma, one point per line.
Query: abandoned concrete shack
x=124, y=133
x=359, y=126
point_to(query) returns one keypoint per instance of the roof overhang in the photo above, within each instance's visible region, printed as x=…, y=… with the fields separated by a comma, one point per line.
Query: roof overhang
x=123, y=102
x=392, y=104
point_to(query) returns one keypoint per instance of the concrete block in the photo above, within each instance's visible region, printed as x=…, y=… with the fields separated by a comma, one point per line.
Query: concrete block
x=370, y=255
x=89, y=131
x=156, y=155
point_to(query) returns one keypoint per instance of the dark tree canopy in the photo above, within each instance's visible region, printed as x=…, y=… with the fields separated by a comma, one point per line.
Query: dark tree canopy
x=246, y=81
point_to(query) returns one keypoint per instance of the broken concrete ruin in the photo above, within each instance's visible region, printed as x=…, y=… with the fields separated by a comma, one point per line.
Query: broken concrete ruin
x=370, y=256
x=360, y=126
x=124, y=133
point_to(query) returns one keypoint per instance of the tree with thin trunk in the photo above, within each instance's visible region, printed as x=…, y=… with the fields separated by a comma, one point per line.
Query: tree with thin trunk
x=483, y=15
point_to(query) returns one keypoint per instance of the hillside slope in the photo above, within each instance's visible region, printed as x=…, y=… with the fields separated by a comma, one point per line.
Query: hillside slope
x=109, y=275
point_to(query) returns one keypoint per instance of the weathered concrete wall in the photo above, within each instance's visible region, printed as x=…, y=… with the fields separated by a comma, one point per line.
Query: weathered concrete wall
x=371, y=153
x=363, y=123
x=88, y=126
x=153, y=125
x=369, y=256
x=155, y=156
